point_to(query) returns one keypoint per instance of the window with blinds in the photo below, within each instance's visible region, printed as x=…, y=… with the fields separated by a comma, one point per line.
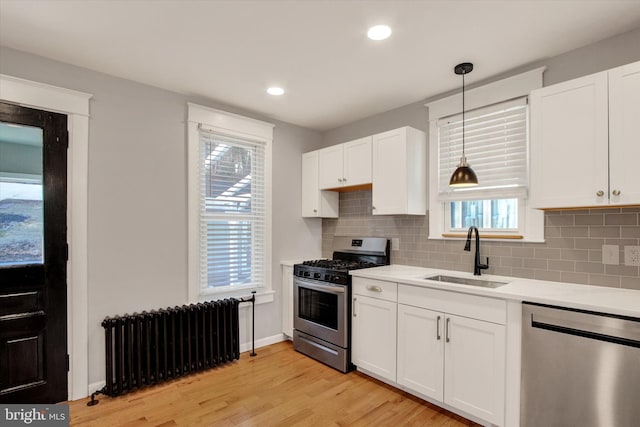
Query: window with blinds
x=232, y=211
x=496, y=147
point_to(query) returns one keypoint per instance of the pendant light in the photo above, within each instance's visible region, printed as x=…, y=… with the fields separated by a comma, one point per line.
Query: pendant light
x=463, y=176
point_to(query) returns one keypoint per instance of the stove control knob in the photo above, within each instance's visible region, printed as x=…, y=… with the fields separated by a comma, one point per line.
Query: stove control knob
x=306, y=274
x=316, y=275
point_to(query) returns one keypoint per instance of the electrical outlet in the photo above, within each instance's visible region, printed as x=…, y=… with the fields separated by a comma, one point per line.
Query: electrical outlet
x=610, y=254
x=632, y=255
x=395, y=243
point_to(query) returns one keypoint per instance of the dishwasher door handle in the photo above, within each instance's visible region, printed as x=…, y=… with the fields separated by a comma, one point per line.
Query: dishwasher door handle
x=597, y=326
x=587, y=334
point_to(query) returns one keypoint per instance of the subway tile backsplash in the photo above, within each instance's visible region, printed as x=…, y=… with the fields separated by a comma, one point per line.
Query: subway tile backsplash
x=572, y=251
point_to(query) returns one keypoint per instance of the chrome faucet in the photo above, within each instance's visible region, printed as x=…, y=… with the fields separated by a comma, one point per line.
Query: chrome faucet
x=477, y=267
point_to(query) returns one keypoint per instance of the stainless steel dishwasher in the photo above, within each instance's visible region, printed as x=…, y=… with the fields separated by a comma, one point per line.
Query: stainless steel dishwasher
x=579, y=368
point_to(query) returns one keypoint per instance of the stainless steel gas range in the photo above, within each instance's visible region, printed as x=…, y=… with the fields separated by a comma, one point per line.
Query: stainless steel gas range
x=322, y=295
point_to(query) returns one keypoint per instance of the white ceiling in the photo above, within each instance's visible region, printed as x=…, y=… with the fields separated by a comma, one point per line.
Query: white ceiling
x=230, y=51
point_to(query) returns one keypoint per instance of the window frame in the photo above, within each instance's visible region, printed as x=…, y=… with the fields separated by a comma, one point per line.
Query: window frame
x=530, y=221
x=492, y=231
x=240, y=127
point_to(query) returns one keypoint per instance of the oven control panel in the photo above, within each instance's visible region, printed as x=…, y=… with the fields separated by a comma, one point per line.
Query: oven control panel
x=321, y=274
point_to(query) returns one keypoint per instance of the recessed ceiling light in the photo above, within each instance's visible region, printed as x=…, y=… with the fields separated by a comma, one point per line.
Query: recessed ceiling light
x=275, y=91
x=379, y=32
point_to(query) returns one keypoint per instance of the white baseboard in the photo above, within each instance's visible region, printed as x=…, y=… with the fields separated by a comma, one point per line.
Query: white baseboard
x=96, y=386
x=263, y=342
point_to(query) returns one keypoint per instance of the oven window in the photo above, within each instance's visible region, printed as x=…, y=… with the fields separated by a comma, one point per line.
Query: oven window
x=318, y=307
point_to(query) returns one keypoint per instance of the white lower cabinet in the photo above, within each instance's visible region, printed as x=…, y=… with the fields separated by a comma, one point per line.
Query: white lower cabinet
x=449, y=358
x=420, y=351
x=474, y=368
x=287, y=300
x=452, y=359
x=373, y=326
x=443, y=346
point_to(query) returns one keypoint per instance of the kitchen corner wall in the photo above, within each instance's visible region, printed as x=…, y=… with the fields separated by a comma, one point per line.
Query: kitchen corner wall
x=137, y=224
x=573, y=248
x=572, y=251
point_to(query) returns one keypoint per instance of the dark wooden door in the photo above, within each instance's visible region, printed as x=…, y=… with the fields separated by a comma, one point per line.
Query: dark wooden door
x=33, y=255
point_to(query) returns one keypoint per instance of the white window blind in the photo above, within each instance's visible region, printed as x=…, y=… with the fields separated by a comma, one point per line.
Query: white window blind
x=232, y=211
x=496, y=140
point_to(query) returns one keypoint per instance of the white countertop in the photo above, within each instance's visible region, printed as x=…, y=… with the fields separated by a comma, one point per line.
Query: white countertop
x=624, y=302
x=290, y=263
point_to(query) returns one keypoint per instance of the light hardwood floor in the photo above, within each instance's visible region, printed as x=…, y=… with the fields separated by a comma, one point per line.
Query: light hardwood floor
x=278, y=387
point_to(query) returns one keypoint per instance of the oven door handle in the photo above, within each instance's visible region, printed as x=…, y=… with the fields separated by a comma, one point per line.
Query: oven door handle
x=321, y=288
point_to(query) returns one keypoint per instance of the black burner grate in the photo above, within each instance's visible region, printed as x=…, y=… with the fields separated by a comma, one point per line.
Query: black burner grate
x=334, y=264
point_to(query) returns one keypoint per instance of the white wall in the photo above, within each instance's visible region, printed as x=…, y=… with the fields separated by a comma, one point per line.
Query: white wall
x=137, y=196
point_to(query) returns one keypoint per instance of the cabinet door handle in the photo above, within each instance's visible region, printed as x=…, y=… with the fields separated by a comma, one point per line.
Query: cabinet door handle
x=374, y=288
x=344, y=179
x=446, y=330
x=373, y=207
x=438, y=328
x=315, y=210
x=339, y=179
x=354, y=307
x=616, y=192
x=600, y=193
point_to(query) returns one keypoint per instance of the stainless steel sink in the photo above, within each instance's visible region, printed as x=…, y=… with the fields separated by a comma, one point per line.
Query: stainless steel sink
x=465, y=281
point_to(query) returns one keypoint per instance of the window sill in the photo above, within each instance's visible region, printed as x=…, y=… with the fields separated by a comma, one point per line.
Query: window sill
x=263, y=296
x=487, y=236
x=493, y=238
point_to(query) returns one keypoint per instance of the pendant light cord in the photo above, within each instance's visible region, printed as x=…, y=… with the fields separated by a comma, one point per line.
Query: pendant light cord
x=463, y=156
x=463, y=176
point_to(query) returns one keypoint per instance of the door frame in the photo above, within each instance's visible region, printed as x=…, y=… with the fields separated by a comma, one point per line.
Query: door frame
x=76, y=106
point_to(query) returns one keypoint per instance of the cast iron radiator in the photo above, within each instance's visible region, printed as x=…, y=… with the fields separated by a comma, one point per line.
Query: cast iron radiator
x=153, y=347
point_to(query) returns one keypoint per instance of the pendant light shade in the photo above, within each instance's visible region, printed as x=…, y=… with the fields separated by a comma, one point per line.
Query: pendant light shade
x=463, y=176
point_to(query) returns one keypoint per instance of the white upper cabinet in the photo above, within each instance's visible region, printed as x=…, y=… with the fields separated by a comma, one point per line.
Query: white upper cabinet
x=357, y=162
x=624, y=134
x=582, y=148
x=330, y=166
x=316, y=203
x=569, y=134
x=399, y=172
x=393, y=164
x=345, y=165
